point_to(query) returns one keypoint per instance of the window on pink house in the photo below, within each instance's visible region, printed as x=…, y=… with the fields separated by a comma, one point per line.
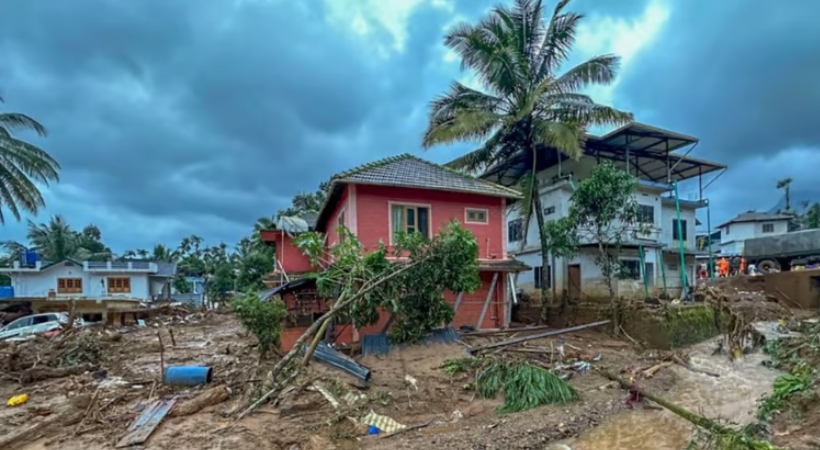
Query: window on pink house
x=410, y=219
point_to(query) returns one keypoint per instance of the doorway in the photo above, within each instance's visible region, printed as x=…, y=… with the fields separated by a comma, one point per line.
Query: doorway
x=574, y=281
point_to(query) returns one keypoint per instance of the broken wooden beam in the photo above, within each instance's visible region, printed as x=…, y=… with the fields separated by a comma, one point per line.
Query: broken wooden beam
x=521, y=339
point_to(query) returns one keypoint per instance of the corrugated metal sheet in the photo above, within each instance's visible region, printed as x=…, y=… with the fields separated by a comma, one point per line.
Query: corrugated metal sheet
x=375, y=344
x=328, y=355
x=378, y=344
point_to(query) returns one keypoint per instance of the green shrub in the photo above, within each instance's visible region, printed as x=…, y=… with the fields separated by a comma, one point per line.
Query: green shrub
x=263, y=318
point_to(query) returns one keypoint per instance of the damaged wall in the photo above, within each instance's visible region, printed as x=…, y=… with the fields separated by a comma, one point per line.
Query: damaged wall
x=801, y=288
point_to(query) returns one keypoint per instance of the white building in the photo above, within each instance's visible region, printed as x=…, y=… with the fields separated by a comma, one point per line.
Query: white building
x=750, y=225
x=645, y=152
x=91, y=280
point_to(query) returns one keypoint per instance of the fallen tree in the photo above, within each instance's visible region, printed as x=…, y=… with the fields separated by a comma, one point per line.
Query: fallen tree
x=723, y=437
x=406, y=281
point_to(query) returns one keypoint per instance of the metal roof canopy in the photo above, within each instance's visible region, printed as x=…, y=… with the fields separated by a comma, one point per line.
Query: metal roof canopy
x=650, y=151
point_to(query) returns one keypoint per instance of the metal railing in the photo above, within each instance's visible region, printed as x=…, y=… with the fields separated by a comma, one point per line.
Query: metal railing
x=120, y=266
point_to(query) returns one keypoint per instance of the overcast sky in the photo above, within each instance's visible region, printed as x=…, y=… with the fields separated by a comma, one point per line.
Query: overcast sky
x=173, y=117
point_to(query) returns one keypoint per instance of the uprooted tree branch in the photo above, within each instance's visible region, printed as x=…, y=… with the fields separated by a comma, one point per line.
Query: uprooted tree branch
x=406, y=281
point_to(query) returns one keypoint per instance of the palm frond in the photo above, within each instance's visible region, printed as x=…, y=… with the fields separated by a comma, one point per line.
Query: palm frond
x=17, y=191
x=18, y=121
x=558, y=40
x=464, y=126
x=462, y=114
x=480, y=158
x=525, y=386
x=588, y=113
x=29, y=159
x=600, y=70
x=529, y=17
x=564, y=136
x=486, y=49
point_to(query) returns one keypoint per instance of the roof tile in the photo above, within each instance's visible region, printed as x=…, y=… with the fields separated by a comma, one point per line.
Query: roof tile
x=407, y=170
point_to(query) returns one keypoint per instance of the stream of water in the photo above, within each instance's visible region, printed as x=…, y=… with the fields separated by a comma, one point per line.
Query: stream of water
x=732, y=396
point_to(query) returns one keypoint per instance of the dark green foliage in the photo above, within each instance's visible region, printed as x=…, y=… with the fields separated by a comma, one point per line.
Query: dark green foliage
x=182, y=285
x=410, y=287
x=264, y=319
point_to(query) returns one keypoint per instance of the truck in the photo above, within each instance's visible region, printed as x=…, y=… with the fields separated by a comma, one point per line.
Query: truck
x=781, y=252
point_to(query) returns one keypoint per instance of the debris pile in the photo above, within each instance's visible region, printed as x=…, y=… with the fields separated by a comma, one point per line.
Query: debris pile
x=90, y=384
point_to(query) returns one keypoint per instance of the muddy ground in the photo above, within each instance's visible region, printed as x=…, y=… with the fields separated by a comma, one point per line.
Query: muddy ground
x=92, y=409
x=460, y=420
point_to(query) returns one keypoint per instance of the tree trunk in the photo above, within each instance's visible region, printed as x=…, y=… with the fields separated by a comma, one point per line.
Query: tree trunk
x=316, y=339
x=606, y=268
x=538, y=210
x=338, y=306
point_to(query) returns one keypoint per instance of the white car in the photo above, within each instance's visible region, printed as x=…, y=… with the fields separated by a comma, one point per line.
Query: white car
x=34, y=324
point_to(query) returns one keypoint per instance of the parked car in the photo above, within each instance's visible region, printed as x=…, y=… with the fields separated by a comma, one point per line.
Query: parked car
x=34, y=324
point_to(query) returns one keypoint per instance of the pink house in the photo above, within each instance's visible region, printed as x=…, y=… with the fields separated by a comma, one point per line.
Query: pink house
x=405, y=194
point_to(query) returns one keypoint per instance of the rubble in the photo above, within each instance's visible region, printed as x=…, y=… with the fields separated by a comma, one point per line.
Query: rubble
x=113, y=375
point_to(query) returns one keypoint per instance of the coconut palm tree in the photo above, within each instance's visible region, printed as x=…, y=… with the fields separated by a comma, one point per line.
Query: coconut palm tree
x=22, y=165
x=163, y=253
x=55, y=241
x=524, y=107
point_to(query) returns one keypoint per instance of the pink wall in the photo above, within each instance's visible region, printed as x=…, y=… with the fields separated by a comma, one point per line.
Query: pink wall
x=287, y=253
x=343, y=206
x=371, y=222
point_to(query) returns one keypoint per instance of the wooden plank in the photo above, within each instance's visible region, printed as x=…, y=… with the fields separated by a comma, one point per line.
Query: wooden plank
x=143, y=426
x=537, y=336
x=487, y=301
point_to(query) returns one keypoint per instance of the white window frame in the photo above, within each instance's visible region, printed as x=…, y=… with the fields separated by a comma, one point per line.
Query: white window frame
x=390, y=206
x=479, y=210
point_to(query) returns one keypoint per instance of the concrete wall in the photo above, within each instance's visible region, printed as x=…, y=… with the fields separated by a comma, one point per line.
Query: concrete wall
x=732, y=236
x=94, y=284
x=557, y=198
x=799, y=288
x=592, y=280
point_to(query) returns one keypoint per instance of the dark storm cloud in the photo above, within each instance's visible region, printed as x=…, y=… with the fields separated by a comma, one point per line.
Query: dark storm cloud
x=742, y=76
x=173, y=109
x=172, y=117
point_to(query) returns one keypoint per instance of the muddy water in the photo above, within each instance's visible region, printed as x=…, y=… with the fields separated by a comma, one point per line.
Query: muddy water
x=732, y=396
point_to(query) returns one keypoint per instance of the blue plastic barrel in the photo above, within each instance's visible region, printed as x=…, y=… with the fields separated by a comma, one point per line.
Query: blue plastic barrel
x=187, y=375
x=6, y=292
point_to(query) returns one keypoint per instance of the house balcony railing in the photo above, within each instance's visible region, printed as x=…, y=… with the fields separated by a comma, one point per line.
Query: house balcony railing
x=17, y=267
x=119, y=266
x=637, y=234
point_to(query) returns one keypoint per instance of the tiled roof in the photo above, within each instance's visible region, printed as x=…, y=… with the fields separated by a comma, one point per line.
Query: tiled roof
x=407, y=170
x=754, y=216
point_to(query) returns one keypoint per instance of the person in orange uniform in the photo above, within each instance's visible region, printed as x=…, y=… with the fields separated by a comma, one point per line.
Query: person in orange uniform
x=742, y=266
x=723, y=267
